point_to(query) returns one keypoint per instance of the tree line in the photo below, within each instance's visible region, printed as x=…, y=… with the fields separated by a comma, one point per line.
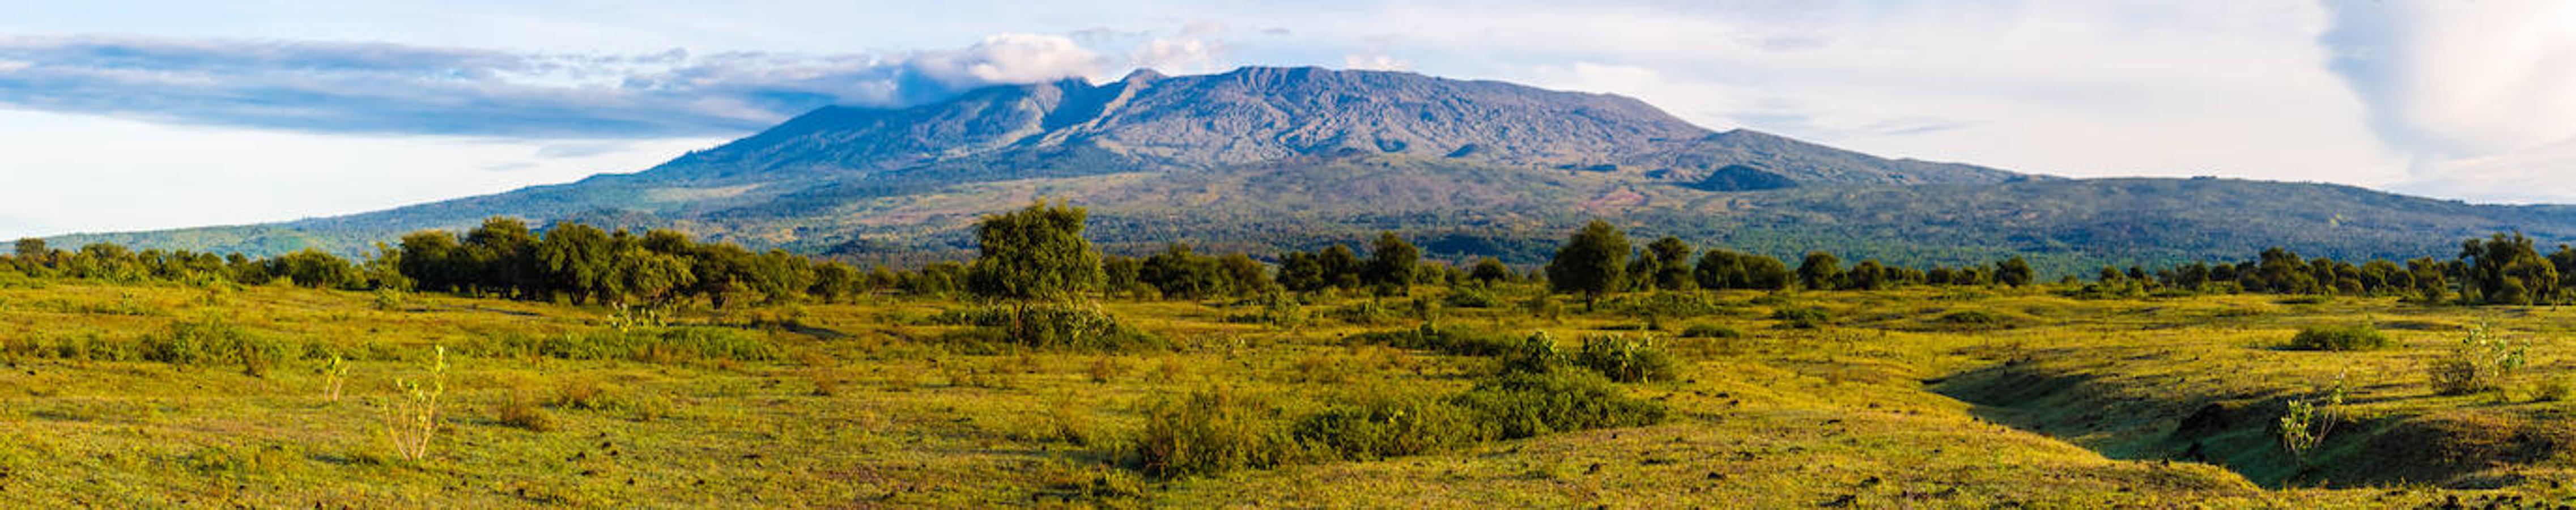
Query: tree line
x=572, y=261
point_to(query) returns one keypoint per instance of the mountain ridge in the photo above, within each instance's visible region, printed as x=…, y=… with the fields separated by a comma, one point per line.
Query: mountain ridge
x=1263, y=159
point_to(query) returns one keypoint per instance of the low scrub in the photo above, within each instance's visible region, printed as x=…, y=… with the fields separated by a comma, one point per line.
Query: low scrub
x=1212, y=431
x=1521, y=405
x=2482, y=362
x=660, y=345
x=1389, y=427
x=1468, y=296
x=206, y=342
x=1801, y=317
x=1625, y=359
x=2339, y=338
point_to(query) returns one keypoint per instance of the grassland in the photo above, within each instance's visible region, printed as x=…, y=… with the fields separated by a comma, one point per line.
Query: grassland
x=1907, y=398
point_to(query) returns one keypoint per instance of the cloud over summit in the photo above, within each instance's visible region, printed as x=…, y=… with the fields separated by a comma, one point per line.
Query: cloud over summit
x=363, y=87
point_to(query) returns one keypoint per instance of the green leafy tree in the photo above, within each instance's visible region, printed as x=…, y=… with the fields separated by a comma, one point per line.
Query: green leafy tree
x=1820, y=271
x=1490, y=271
x=835, y=282
x=1390, y=265
x=1123, y=275
x=1303, y=272
x=2505, y=269
x=577, y=259
x=1034, y=254
x=33, y=250
x=1593, y=262
x=654, y=277
x=1178, y=272
x=1672, y=269
x=1341, y=266
x=501, y=258
x=1246, y=277
x=2014, y=272
x=1867, y=275
x=780, y=276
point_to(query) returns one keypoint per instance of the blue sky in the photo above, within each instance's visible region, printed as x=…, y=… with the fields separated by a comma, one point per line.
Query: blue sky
x=135, y=115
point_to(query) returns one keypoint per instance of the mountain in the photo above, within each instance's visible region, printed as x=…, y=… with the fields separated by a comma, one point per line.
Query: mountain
x=1262, y=159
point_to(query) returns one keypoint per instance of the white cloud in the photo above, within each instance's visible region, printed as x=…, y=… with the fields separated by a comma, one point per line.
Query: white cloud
x=2481, y=95
x=76, y=173
x=1375, y=62
x=1012, y=58
x=1176, y=56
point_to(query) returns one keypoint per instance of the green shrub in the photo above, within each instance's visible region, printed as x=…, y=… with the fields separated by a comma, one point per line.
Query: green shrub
x=209, y=341
x=1471, y=297
x=1625, y=359
x=1389, y=427
x=1364, y=313
x=1521, y=405
x=1711, y=331
x=2339, y=338
x=1536, y=354
x=1211, y=431
x=1801, y=317
x=2483, y=361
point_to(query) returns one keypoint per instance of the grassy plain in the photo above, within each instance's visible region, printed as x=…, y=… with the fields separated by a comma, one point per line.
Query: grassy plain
x=1918, y=397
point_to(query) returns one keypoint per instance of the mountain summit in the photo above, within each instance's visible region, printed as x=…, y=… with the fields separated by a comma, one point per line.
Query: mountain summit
x=1260, y=159
x=1252, y=115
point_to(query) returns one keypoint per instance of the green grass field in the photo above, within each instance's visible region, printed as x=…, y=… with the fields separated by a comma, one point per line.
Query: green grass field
x=1908, y=398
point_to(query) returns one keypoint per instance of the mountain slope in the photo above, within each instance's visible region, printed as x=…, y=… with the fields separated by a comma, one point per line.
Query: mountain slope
x=1262, y=159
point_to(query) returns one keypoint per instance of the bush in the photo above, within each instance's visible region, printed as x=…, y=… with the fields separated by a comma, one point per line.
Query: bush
x=2339, y=338
x=1521, y=405
x=1211, y=431
x=1710, y=331
x=1388, y=427
x=1536, y=354
x=1364, y=313
x=1624, y=359
x=521, y=411
x=1801, y=317
x=1471, y=297
x=2481, y=362
x=213, y=342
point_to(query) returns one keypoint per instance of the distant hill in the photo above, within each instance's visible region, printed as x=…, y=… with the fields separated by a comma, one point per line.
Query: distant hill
x=1262, y=159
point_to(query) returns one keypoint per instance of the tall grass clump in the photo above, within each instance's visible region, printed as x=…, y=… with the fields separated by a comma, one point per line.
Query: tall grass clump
x=1389, y=427
x=1211, y=431
x=1801, y=317
x=2339, y=338
x=1625, y=359
x=1521, y=405
x=214, y=341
